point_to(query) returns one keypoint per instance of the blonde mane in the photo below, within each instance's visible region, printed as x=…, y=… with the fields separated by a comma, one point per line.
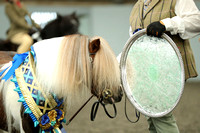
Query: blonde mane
x=106, y=74
x=73, y=69
x=72, y=75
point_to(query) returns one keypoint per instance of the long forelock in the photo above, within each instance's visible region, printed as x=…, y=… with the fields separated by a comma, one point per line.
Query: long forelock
x=72, y=73
x=105, y=68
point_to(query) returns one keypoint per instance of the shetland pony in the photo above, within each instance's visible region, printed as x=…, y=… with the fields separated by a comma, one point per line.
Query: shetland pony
x=72, y=67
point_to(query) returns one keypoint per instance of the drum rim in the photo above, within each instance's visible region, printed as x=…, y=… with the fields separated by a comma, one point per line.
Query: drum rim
x=123, y=58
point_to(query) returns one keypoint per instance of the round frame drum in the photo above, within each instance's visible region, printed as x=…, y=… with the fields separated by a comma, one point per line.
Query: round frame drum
x=152, y=73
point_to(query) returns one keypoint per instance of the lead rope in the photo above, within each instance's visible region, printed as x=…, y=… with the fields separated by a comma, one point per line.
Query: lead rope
x=137, y=113
x=79, y=110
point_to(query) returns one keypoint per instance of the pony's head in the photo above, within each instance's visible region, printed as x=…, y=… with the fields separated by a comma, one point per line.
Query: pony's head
x=105, y=71
x=83, y=66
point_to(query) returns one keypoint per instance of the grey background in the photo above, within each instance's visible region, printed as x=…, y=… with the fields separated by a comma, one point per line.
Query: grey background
x=111, y=21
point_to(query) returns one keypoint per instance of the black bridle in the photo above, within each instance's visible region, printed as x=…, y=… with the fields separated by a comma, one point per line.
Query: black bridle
x=105, y=95
x=95, y=106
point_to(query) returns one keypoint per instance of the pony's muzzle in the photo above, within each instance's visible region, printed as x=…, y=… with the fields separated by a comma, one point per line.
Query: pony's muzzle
x=120, y=95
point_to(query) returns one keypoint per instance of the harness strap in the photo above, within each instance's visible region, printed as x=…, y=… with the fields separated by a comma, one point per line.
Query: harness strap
x=95, y=107
x=94, y=110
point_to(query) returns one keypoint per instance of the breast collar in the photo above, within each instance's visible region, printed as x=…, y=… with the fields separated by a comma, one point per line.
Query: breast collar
x=45, y=109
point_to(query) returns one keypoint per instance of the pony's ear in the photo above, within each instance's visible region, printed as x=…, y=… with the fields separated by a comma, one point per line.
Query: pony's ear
x=94, y=46
x=59, y=15
x=73, y=14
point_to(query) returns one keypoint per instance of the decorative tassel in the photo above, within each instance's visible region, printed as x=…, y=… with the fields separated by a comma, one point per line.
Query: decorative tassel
x=53, y=123
x=36, y=123
x=64, y=120
x=14, y=79
x=17, y=89
x=63, y=130
x=27, y=111
x=33, y=53
x=21, y=99
x=57, y=130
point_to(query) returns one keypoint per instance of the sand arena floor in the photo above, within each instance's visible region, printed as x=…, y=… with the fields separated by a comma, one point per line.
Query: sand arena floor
x=187, y=115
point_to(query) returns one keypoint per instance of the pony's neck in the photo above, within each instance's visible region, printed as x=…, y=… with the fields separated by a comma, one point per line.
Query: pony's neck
x=48, y=46
x=46, y=58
